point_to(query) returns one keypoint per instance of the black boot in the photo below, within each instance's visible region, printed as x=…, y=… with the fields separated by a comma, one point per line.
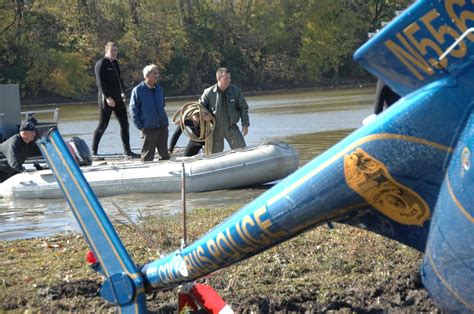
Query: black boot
x=96, y=157
x=128, y=151
x=132, y=154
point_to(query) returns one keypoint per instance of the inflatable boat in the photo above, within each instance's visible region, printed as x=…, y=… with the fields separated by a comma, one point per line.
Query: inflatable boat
x=233, y=169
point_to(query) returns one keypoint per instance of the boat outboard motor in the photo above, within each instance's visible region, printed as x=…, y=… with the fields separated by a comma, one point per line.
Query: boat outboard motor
x=80, y=151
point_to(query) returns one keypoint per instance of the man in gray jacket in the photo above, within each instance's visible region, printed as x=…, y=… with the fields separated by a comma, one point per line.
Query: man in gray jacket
x=14, y=151
x=228, y=105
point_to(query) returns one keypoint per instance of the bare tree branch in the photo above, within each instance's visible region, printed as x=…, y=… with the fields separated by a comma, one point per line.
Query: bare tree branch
x=11, y=24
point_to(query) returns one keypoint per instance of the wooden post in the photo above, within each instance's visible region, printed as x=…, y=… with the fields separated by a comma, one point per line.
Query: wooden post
x=183, y=199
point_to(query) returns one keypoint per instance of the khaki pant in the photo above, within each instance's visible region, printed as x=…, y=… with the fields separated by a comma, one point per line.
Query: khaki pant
x=233, y=136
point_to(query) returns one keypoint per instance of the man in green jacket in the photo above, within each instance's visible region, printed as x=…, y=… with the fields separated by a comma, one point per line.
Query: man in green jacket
x=228, y=105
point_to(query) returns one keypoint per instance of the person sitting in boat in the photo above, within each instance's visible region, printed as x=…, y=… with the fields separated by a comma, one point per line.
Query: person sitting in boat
x=198, y=123
x=15, y=150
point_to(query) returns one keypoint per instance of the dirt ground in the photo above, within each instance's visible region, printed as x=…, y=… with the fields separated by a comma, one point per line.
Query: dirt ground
x=341, y=270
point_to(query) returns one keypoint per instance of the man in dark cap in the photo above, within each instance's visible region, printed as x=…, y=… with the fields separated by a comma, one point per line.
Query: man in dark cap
x=14, y=151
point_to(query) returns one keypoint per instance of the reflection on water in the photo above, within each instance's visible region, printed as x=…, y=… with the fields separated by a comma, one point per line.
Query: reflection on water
x=327, y=100
x=310, y=121
x=312, y=145
x=27, y=218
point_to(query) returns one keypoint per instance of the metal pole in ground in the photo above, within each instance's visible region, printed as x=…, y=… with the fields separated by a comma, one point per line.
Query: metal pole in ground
x=183, y=199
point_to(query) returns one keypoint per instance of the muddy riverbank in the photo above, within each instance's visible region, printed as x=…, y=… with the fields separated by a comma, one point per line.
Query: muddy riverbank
x=341, y=269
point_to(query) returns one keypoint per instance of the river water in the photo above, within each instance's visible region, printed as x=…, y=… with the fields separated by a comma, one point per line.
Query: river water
x=311, y=121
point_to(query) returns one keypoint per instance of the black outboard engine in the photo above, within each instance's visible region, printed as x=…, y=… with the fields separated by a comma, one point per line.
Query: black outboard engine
x=80, y=151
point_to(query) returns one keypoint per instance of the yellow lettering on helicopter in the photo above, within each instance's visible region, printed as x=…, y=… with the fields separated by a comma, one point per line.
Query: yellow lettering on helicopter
x=412, y=51
x=460, y=20
x=266, y=224
x=246, y=236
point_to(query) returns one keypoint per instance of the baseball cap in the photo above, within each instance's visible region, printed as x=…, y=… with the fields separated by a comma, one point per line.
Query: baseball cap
x=27, y=126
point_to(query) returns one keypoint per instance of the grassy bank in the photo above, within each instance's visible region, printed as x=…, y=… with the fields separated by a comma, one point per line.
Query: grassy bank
x=339, y=269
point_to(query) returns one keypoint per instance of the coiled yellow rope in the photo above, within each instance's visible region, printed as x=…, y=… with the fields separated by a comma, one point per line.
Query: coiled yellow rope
x=206, y=126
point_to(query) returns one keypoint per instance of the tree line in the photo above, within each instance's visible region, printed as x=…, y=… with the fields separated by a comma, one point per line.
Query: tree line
x=50, y=47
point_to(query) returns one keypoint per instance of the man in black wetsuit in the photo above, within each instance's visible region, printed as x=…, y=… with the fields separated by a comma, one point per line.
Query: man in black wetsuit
x=384, y=97
x=111, y=98
x=14, y=151
x=193, y=146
